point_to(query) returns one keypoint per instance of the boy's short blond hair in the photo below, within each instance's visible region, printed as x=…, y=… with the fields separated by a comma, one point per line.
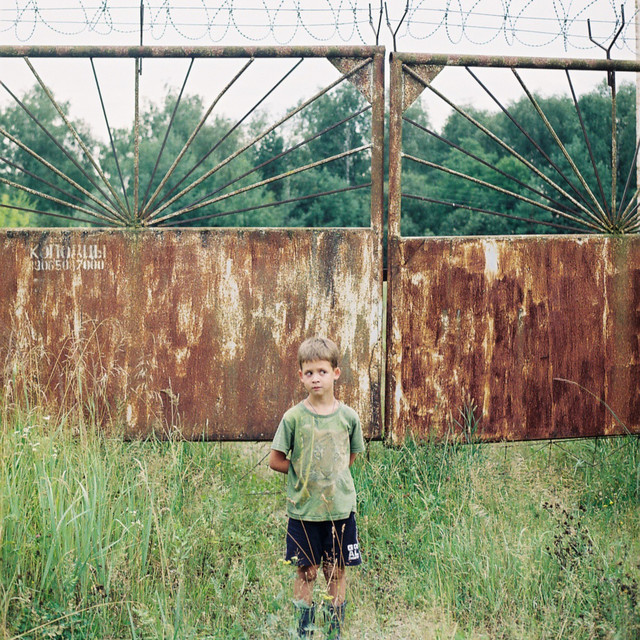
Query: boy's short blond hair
x=317, y=348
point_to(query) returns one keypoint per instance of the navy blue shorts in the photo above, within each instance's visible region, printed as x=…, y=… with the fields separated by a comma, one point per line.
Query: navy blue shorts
x=331, y=542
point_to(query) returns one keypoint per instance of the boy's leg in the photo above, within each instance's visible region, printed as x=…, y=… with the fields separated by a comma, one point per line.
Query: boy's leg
x=336, y=578
x=303, y=599
x=340, y=550
x=303, y=584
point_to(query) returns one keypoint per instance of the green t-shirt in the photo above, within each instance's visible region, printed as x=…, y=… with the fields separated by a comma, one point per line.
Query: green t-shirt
x=319, y=482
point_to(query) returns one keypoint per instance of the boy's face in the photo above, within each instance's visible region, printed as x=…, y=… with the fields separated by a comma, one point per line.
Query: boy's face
x=318, y=377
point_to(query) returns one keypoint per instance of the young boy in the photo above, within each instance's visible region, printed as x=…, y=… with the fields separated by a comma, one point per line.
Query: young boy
x=322, y=437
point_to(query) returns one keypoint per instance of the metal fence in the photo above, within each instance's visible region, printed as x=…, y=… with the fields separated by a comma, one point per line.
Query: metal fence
x=159, y=328
x=512, y=338
x=152, y=325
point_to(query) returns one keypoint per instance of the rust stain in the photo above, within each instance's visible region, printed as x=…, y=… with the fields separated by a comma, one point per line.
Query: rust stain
x=412, y=88
x=190, y=331
x=362, y=80
x=501, y=322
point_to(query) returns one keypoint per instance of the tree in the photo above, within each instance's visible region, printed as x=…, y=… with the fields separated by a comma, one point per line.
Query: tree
x=18, y=216
x=200, y=183
x=555, y=184
x=32, y=168
x=348, y=208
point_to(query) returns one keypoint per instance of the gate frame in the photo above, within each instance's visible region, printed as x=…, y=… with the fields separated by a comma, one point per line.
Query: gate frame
x=337, y=55
x=401, y=97
x=377, y=53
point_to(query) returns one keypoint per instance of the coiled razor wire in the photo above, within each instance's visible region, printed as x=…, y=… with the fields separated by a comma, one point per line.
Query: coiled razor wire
x=530, y=23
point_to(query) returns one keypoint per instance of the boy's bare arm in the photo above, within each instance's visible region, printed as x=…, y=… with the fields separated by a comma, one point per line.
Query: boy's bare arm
x=352, y=457
x=278, y=461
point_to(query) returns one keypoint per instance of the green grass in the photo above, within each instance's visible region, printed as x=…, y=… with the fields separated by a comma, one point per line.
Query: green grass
x=101, y=538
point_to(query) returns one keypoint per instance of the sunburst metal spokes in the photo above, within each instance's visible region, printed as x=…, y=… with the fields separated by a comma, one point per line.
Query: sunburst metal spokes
x=198, y=168
x=540, y=162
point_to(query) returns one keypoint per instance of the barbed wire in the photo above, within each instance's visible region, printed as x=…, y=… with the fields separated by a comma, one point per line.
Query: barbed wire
x=525, y=23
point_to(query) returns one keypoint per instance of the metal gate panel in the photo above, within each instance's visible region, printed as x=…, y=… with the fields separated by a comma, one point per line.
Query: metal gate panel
x=193, y=331
x=487, y=321
x=506, y=338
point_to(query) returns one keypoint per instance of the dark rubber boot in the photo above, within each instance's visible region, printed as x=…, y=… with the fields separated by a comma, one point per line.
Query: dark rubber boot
x=306, y=619
x=336, y=620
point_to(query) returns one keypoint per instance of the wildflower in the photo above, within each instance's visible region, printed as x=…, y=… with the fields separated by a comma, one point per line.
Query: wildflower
x=25, y=432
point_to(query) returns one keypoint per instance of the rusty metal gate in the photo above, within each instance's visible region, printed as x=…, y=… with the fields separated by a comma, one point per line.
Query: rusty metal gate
x=151, y=325
x=511, y=338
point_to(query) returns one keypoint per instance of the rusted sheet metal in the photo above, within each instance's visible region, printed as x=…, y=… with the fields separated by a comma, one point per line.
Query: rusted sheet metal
x=195, y=331
x=412, y=88
x=505, y=323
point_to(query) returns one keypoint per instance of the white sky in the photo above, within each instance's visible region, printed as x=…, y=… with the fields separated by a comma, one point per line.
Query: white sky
x=530, y=29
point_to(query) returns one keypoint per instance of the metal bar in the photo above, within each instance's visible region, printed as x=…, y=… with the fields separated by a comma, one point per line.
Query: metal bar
x=631, y=208
x=192, y=136
x=266, y=132
x=503, y=144
x=377, y=152
x=614, y=148
x=136, y=143
x=49, y=166
x=53, y=51
x=113, y=146
x=49, y=184
x=283, y=153
x=631, y=220
x=262, y=183
x=632, y=167
x=376, y=31
x=565, y=153
x=75, y=134
x=588, y=142
x=48, y=213
x=395, y=148
x=453, y=60
x=458, y=205
x=529, y=138
x=64, y=151
x=40, y=194
x=166, y=135
x=394, y=249
x=632, y=214
x=513, y=194
x=233, y=128
x=271, y=204
x=488, y=164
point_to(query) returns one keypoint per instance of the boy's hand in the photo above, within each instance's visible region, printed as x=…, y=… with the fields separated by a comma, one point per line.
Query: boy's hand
x=278, y=461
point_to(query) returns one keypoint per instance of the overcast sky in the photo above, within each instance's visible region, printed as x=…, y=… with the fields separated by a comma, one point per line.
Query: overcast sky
x=496, y=27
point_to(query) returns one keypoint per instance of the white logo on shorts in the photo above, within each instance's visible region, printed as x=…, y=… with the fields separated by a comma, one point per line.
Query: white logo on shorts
x=354, y=551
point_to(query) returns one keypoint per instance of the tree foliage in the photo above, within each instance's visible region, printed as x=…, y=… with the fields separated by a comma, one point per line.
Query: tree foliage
x=469, y=151
x=271, y=183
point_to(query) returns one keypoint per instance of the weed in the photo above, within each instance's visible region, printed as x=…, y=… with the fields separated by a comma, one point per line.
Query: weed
x=468, y=423
x=172, y=539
